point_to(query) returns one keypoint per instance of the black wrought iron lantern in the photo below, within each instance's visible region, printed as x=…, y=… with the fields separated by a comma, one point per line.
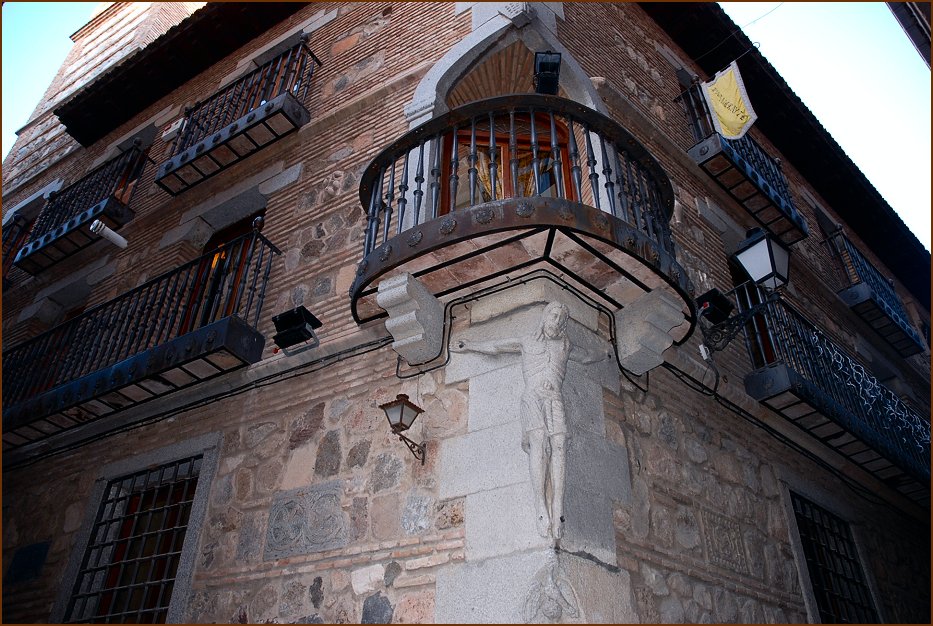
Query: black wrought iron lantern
x=401, y=414
x=547, y=72
x=764, y=259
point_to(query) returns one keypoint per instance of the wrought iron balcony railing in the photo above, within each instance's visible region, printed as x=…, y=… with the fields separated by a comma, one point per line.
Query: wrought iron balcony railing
x=499, y=185
x=745, y=170
x=192, y=323
x=253, y=111
x=802, y=374
x=873, y=298
x=15, y=233
x=63, y=226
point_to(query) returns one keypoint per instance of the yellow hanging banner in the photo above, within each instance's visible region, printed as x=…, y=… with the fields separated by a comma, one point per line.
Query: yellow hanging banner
x=728, y=103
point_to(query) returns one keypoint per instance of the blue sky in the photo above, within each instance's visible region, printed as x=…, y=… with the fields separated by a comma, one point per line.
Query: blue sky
x=847, y=61
x=36, y=39
x=854, y=67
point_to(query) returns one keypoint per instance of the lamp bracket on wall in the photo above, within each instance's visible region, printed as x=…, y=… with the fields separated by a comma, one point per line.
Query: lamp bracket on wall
x=716, y=336
x=417, y=449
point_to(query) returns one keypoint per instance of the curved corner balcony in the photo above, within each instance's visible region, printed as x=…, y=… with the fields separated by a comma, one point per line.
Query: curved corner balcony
x=501, y=187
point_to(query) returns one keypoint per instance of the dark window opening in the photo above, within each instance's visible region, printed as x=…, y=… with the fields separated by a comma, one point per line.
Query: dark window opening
x=128, y=570
x=698, y=115
x=836, y=575
x=513, y=167
x=15, y=234
x=758, y=338
x=221, y=267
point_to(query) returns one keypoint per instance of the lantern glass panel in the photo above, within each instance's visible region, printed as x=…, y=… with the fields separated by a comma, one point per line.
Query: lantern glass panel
x=409, y=413
x=756, y=261
x=393, y=413
x=765, y=260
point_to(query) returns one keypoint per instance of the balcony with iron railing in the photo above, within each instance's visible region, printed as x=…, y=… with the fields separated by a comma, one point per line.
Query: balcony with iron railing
x=63, y=226
x=873, y=298
x=191, y=324
x=498, y=188
x=804, y=375
x=746, y=171
x=246, y=115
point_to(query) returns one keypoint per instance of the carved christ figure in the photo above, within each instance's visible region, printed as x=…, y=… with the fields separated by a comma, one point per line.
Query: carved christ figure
x=545, y=353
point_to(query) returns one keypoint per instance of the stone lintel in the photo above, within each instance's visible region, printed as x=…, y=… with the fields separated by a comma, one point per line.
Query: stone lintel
x=416, y=318
x=643, y=330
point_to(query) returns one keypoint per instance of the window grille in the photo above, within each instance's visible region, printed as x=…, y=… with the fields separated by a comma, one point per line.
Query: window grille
x=835, y=572
x=129, y=568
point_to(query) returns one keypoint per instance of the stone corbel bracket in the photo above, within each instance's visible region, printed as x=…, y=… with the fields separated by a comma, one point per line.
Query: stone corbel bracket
x=643, y=330
x=416, y=318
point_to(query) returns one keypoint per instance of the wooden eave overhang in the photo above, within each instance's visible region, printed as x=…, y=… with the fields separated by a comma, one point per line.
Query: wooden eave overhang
x=185, y=50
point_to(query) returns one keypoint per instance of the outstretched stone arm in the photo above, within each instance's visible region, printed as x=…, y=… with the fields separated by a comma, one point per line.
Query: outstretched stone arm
x=500, y=346
x=588, y=355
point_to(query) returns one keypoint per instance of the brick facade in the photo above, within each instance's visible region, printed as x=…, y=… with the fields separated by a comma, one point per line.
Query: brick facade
x=706, y=534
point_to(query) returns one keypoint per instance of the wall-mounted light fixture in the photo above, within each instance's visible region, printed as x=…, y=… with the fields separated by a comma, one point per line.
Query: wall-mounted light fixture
x=99, y=228
x=401, y=414
x=764, y=259
x=767, y=263
x=296, y=327
x=547, y=72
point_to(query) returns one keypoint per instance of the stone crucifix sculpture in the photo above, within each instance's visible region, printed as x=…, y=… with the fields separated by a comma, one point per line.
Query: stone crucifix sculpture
x=545, y=353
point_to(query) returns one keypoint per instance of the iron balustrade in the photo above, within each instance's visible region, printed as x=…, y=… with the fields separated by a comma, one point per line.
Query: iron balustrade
x=480, y=152
x=116, y=178
x=781, y=334
x=229, y=281
x=766, y=166
x=289, y=72
x=857, y=269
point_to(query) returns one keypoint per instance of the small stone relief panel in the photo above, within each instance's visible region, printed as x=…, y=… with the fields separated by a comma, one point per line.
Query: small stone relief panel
x=306, y=520
x=551, y=597
x=723, y=542
x=334, y=183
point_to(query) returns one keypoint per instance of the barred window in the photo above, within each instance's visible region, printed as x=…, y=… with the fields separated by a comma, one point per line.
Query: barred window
x=836, y=575
x=128, y=570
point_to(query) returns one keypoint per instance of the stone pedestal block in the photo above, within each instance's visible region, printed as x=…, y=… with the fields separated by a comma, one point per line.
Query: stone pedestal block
x=416, y=318
x=540, y=586
x=643, y=330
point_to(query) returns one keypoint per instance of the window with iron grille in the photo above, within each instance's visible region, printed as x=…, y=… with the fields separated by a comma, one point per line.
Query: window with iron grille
x=836, y=575
x=128, y=570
